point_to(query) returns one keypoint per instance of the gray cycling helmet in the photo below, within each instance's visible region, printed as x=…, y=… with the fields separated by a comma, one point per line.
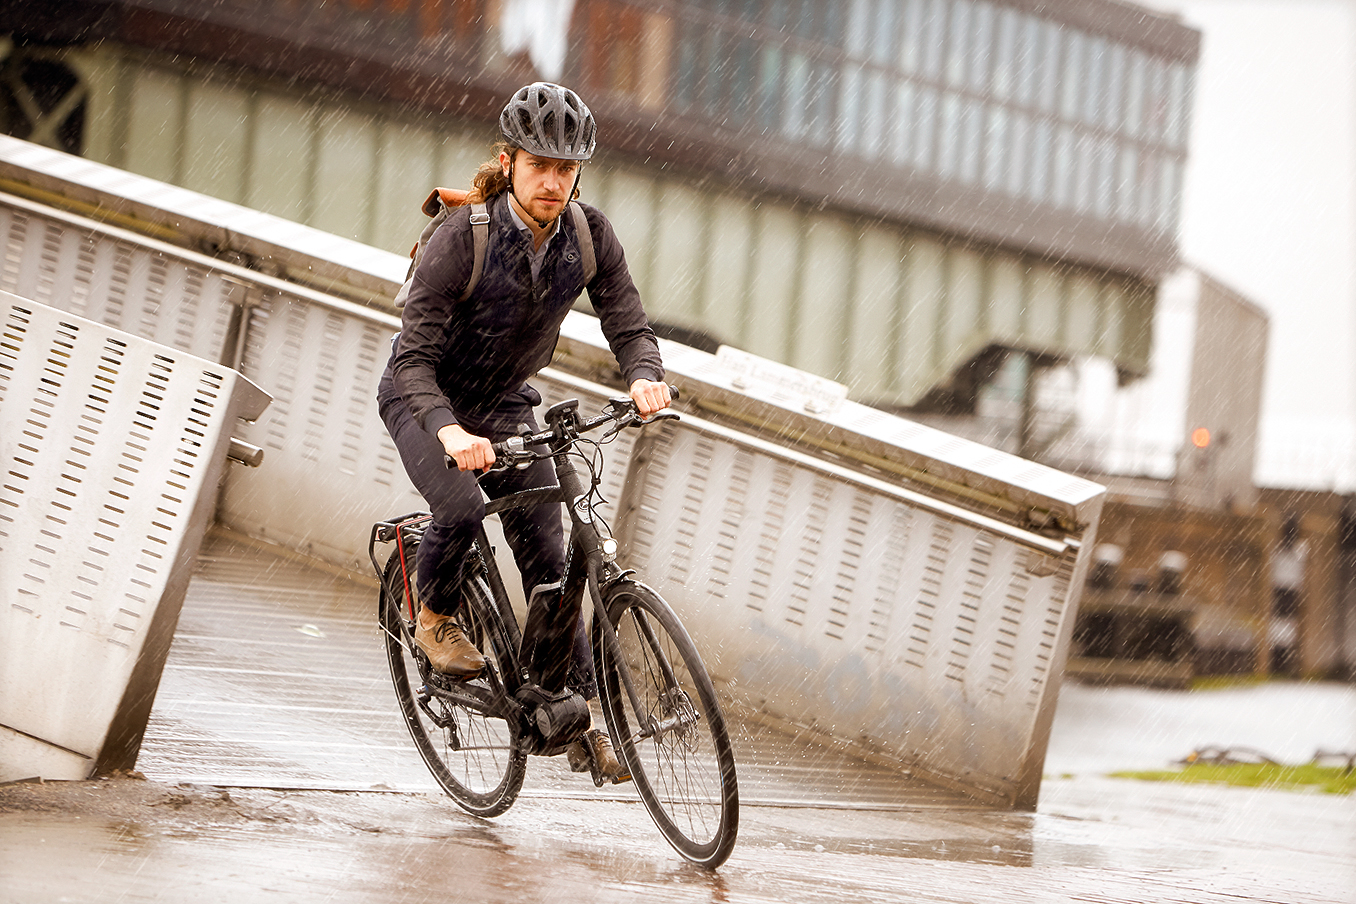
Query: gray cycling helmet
x=549, y=120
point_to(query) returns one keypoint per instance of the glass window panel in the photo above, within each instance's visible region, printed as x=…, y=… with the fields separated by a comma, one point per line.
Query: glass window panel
x=1004, y=81
x=1156, y=100
x=1042, y=147
x=803, y=19
x=1170, y=197
x=981, y=46
x=911, y=36
x=925, y=135
x=685, y=87
x=903, y=124
x=1095, y=81
x=1072, y=80
x=1027, y=60
x=744, y=74
x=859, y=28
x=948, y=135
x=996, y=148
x=885, y=27
x=1062, y=193
x=971, y=139
x=1148, y=190
x=825, y=78
x=1085, y=170
x=1179, y=92
x=797, y=95
x=849, y=109
x=1134, y=93
x=958, y=43
x=714, y=63
x=1115, y=87
x=1126, y=175
x=1104, y=185
x=769, y=86
x=1020, y=151
x=934, y=37
x=835, y=23
x=1047, y=60
x=778, y=11
x=874, y=118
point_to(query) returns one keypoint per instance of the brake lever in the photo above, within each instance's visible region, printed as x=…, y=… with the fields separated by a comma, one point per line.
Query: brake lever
x=665, y=415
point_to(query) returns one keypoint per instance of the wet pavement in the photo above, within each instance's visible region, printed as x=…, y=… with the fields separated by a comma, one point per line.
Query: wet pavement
x=277, y=771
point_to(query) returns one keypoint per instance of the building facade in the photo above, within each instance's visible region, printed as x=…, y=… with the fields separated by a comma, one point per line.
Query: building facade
x=885, y=193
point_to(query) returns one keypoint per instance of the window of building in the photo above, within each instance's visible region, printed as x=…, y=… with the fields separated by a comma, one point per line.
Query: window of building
x=849, y=109
x=1042, y=149
x=1074, y=74
x=1018, y=152
x=1061, y=190
x=958, y=43
x=997, y=148
x=925, y=135
x=948, y=135
x=971, y=140
x=911, y=36
x=902, y=128
x=1134, y=94
x=981, y=46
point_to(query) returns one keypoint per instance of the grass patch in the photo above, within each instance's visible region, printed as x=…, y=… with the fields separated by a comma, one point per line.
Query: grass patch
x=1329, y=779
x=1227, y=682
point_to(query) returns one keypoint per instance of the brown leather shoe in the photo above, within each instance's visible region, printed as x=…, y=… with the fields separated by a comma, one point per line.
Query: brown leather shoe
x=593, y=753
x=447, y=648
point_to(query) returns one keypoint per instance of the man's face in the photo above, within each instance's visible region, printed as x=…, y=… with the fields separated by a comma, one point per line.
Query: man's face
x=541, y=185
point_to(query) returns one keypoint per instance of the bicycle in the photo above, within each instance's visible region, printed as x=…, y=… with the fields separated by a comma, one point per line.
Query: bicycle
x=658, y=701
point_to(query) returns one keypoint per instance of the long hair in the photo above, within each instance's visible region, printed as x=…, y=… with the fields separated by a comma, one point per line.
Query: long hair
x=490, y=180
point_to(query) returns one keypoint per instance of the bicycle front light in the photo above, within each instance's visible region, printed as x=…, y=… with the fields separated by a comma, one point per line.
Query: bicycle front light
x=609, y=549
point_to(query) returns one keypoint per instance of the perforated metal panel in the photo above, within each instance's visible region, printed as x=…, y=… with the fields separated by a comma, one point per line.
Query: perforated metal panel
x=110, y=452
x=334, y=469
x=117, y=283
x=927, y=636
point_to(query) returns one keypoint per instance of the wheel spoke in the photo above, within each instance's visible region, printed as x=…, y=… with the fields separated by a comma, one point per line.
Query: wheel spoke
x=458, y=727
x=662, y=708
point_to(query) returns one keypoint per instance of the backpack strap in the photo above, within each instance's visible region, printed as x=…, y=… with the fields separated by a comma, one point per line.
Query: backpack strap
x=439, y=205
x=480, y=238
x=581, y=226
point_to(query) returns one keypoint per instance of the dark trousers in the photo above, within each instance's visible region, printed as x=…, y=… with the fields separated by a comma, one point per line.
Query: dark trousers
x=535, y=534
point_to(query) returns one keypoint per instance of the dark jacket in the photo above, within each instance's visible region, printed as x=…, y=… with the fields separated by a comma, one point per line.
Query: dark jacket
x=465, y=358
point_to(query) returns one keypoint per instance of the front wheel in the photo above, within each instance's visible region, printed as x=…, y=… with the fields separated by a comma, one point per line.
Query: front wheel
x=666, y=723
x=460, y=727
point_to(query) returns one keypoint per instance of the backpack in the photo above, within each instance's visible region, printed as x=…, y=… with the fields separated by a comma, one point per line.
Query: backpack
x=440, y=204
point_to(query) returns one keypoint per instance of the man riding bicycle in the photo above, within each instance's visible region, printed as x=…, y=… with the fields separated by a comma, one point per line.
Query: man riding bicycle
x=456, y=379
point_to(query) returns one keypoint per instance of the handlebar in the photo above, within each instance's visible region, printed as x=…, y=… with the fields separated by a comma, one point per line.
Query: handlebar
x=514, y=452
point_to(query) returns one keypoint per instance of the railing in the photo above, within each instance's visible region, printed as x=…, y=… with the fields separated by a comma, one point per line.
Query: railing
x=900, y=589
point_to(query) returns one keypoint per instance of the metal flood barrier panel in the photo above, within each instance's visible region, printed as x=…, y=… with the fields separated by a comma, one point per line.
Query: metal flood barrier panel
x=111, y=449
x=904, y=591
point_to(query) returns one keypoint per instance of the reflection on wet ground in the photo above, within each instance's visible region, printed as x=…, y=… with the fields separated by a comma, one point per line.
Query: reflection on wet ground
x=279, y=772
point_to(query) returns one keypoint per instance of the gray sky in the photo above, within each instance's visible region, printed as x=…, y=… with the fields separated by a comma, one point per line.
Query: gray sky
x=1270, y=209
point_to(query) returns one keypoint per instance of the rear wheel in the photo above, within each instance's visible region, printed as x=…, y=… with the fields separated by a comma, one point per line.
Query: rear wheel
x=462, y=728
x=672, y=735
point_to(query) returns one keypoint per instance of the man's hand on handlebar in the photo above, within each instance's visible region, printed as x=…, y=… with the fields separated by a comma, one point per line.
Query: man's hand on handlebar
x=471, y=453
x=650, y=396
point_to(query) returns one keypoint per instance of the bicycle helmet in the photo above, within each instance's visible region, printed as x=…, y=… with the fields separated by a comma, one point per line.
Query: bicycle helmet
x=548, y=120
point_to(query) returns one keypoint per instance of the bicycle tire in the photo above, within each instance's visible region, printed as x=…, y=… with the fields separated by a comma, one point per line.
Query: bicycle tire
x=685, y=774
x=471, y=746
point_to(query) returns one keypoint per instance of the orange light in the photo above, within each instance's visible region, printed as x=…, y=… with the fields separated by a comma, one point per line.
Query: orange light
x=1200, y=437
